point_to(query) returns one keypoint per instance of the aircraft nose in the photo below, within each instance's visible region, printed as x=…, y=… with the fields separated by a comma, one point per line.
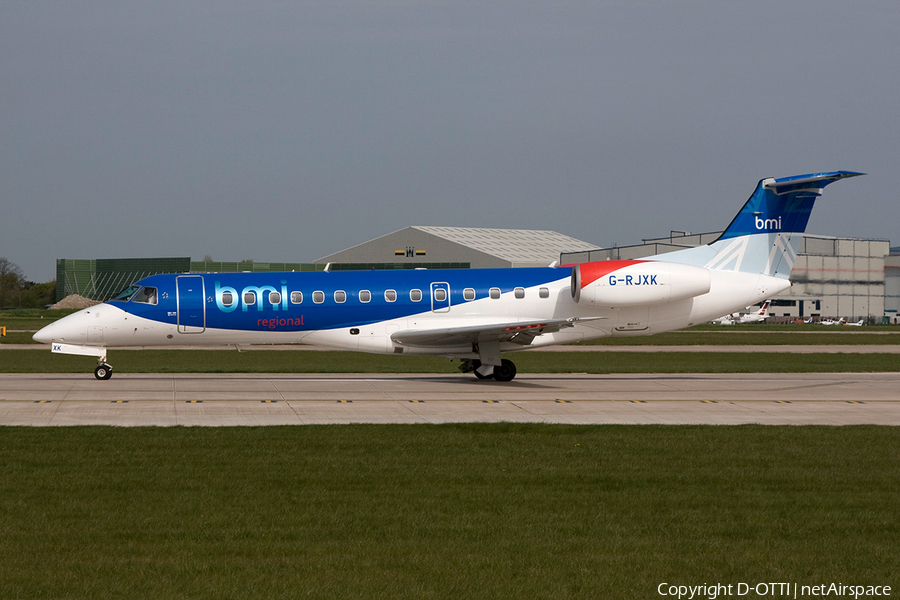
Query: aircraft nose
x=43, y=336
x=54, y=332
x=70, y=329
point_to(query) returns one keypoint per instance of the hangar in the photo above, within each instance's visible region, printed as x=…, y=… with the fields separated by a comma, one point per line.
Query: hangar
x=457, y=247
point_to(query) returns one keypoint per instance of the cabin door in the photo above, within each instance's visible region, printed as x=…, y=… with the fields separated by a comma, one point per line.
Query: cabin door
x=189, y=297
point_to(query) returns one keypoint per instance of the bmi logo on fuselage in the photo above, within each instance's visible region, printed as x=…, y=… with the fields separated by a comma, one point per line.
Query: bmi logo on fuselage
x=261, y=296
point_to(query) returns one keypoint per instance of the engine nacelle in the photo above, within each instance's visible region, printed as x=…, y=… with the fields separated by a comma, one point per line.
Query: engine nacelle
x=620, y=283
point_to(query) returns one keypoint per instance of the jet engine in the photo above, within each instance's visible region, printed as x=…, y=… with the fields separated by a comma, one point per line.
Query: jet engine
x=622, y=283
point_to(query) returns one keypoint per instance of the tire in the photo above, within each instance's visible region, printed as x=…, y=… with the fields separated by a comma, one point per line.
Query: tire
x=506, y=371
x=103, y=372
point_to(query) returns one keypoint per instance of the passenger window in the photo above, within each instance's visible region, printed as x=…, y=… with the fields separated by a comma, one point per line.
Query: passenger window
x=227, y=299
x=469, y=294
x=296, y=297
x=520, y=293
x=495, y=293
x=249, y=298
x=340, y=296
x=274, y=298
x=318, y=297
x=415, y=295
x=390, y=295
x=146, y=295
x=440, y=294
x=544, y=293
x=365, y=296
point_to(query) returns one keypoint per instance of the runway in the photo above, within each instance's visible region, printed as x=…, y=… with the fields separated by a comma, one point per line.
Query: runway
x=287, y=399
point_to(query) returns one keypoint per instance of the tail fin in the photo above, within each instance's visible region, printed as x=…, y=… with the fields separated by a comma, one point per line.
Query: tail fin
x=765, y=235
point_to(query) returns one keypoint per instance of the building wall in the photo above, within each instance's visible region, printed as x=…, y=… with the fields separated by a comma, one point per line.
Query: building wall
x=892, y=284
x=619, y=253
x=837, y=278
x=249, y=266
x=103, y=278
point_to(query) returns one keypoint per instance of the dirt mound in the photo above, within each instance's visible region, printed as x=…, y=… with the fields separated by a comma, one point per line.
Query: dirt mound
x=75, y=301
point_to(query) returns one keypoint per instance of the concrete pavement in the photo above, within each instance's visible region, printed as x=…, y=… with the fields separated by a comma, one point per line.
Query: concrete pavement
x=282, y=399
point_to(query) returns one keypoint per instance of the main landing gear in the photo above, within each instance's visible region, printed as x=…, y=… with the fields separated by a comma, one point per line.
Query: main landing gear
x=103, y=371
x=505, y=371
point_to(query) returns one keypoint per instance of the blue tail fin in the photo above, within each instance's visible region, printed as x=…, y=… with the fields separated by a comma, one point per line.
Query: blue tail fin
x=782, y=205
x=765, y=235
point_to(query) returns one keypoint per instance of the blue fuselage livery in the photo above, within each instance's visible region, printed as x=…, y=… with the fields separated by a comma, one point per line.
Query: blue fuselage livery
x=308, y=301
x=472, y=315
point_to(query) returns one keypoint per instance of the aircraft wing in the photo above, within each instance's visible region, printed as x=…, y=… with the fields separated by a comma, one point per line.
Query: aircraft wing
x=519, y=332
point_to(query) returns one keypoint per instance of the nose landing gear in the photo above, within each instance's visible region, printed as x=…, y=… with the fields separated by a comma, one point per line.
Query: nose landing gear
x=103, y=370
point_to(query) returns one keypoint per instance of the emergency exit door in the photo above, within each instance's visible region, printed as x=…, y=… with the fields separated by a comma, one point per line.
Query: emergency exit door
x=440, y=297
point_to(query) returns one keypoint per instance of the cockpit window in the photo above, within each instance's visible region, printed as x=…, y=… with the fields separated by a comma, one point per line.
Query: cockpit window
x=124, y=295
x=146, y=295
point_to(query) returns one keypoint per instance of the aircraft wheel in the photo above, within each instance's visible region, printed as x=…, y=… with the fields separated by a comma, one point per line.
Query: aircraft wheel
x=103, y=372
x=506, y=371
x=476, y=364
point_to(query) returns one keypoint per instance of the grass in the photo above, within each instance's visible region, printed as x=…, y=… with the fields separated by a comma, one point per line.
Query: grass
x=761, y=336
x=309, y=361
x=473, y=511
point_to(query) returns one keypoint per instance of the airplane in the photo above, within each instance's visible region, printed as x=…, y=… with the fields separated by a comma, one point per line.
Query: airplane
x=473, y=315
x=726, y=320
x=754, y=317
x=859, y=323
x=832, y=321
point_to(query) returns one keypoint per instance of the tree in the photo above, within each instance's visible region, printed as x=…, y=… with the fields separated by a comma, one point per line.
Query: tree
x=16, y=292
x=38, y=295
x=11, y=280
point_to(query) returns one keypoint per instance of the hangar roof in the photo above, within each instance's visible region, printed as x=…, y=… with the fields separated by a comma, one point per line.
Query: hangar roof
x=478, y=247
x=514, y=245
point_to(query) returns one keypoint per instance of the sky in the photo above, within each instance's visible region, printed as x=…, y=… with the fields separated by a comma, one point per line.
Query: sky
x=285, y=131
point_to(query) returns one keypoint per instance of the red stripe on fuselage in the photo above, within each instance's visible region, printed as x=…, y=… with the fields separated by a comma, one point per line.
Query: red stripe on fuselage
x=592, y=271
